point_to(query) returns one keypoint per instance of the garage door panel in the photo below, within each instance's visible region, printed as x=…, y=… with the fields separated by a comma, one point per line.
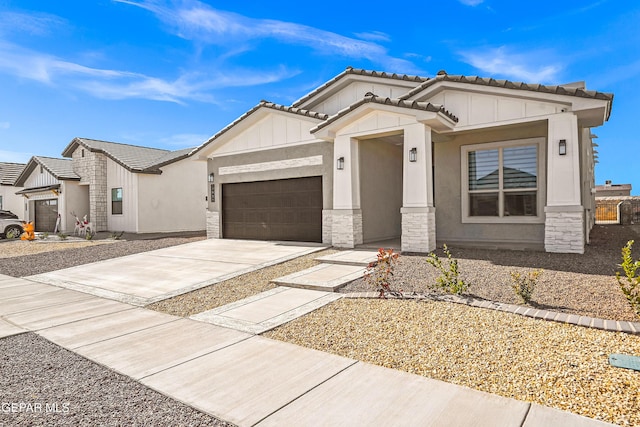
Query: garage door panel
x=289, y=209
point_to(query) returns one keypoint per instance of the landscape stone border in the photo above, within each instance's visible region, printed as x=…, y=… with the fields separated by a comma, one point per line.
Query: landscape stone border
x=535, y=313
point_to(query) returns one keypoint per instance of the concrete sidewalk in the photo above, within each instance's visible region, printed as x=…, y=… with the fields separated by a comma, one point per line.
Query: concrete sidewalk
x=251, y=380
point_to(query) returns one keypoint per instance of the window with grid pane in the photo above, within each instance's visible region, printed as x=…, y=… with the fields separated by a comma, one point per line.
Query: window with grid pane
x=503, y=181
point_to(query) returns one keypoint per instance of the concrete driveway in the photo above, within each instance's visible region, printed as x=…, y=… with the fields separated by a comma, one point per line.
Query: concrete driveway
x=148, y=277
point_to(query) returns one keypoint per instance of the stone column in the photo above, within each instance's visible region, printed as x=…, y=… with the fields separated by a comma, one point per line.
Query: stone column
x=418, y=212
x=214, y=231
x=564, y=213
x=346, y=217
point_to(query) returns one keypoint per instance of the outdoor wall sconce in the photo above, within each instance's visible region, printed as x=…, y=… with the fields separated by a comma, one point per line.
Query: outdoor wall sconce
x=210, y=177
x=562, y=147
x=340, y=165
x=413, y=155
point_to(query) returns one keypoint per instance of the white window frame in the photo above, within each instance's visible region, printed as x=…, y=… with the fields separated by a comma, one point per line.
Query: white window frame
x=540, y=188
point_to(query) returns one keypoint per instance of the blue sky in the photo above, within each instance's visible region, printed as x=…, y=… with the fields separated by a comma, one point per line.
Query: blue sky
x=170, y=74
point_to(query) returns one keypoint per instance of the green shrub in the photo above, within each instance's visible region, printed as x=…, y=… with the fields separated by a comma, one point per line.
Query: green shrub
x=525, y=284
x=630, y=284
x=379, y=272
x=62, y=236
x=449, y=279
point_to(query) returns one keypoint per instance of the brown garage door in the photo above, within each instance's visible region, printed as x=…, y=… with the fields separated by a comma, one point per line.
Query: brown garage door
x=46, y=215
x=285, y=209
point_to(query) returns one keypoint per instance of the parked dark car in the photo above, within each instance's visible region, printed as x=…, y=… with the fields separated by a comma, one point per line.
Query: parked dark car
x=10, y=225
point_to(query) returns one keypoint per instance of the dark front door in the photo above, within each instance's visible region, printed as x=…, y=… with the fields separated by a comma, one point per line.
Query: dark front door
x=285, y=209
x=46, y=215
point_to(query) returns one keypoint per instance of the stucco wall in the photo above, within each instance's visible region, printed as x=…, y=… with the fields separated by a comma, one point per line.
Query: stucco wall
x=175, y=200
x=448, y=194
x=75, y=198
x=295, y=162
x=11, y=201
x=380, y=190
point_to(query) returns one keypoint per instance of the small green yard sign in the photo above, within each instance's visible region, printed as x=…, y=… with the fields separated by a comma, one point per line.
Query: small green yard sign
x=625, y=361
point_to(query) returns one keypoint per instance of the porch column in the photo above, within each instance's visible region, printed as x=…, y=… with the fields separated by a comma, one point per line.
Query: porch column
x=418, y=212
x=346, y=221
x=564, y=214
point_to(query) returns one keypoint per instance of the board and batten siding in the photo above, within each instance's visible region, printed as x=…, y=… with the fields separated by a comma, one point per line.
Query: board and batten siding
x=275, y=130
x=175, y=200
x=40, y=179
x=355, y=92
x=119, y=177
x=473, y=109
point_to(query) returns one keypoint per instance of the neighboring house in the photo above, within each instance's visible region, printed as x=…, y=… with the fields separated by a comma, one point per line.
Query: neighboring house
x=9, y=201
x=119, y=187
x=370, y=156
x=50, y=187
x=613, y=190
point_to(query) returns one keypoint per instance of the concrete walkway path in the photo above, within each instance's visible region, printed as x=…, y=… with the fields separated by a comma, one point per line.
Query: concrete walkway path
x=251, y=380
x=148, y=277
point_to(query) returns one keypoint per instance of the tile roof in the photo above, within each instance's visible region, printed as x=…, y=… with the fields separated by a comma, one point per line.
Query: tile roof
x=60, y=168
x=371, y=98
x=132, y=157
x=9, y=172
x=262, y=104
x=570, y=89
x=359, y=72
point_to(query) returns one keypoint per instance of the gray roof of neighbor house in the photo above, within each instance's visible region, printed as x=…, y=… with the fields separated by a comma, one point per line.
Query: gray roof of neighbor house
x=262, y=104
x=61, y=169
x=9, y=172
x=570, y=89
x=613, y=187
x=371, y=98
x=132, y=157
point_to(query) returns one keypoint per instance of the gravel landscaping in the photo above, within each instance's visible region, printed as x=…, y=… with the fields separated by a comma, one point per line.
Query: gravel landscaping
x=235, y=289
x=571, y=283
x=553, y=364
x=78, y=392
x=21, y=258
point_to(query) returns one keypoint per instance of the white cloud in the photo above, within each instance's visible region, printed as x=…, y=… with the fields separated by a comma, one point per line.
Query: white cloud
x=193, y=20
x=374, y=36
x=5, y=125
x=471, y=2
x=33, y=23
x=518, y=66
x=115, y=84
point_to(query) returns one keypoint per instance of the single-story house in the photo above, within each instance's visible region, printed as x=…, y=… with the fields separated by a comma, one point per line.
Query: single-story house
x=613, y=190
x=371, y=156
x=49, y=186
x=9, y=201
x=119, y=187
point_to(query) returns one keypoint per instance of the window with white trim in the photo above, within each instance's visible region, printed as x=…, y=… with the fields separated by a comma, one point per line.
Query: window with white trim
x=116, y=201
x=501, y=181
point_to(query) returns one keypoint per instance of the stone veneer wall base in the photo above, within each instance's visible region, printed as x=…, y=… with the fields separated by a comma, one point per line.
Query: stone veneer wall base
x=346, y=228
x=213, y=225
x=418, y=229
x=564, y=229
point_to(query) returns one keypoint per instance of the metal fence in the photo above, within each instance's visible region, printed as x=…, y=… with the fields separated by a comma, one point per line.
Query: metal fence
x=618, y=211
x=608, y=211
